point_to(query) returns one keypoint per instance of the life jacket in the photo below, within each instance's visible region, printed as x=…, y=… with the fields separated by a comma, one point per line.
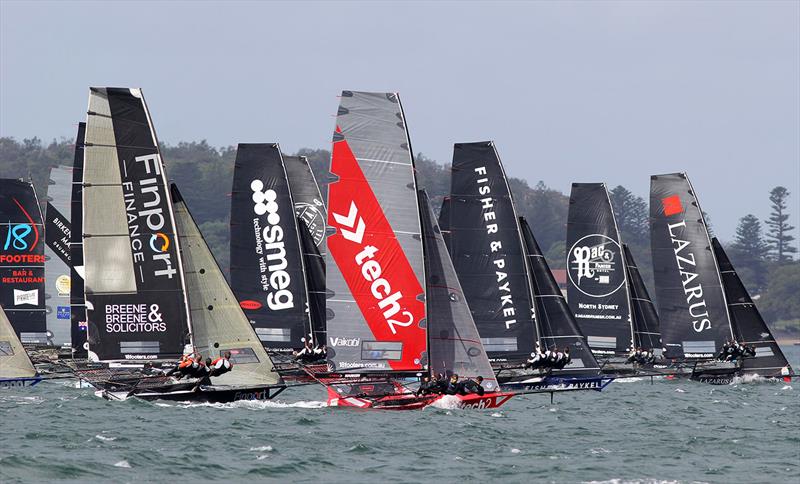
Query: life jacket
x=186, y=362
x=221, y=363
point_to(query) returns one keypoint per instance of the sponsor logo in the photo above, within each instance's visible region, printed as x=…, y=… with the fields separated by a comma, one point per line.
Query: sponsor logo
x=162, y=246
x=672, y=205
x=593, y=265
x=134, y=318
x=262, y=395
x=311, y=215
x=250, y=305
x=63, y=285
x=338, y=341
x=26, y=297
x=269, y=243
x=62, y=312
x=22, y=237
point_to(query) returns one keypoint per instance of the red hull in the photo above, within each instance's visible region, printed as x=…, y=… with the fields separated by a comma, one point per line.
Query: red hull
x=412, y=402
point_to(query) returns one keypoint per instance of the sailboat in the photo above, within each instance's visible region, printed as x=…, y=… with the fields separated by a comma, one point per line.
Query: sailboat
x=153, y=289
x=694, y=280
x=600, y=290
x=395, y=308
x=22, y=261
x=646, y=327
x=16, y=369
x=514, y=298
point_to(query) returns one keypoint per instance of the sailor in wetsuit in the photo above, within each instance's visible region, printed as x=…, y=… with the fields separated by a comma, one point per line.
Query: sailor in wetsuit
x=452, y=385
x=221, y=365
x=564, y=359
x=439, y=384
x=427, y=386
x=468, y=386
x=184, y=367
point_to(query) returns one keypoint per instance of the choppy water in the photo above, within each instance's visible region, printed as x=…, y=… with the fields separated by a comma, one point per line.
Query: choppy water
x=632, y=431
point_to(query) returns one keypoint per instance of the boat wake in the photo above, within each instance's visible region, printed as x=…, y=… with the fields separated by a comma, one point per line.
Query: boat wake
x=248, y=404
x=447, y=402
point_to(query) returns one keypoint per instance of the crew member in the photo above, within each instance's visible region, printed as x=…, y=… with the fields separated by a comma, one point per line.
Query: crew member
x=452, y=385
x=427, y=386
x=468, y=386
x=221, y=365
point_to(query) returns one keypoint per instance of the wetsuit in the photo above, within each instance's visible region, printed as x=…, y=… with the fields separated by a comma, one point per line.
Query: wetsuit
x=220, y=366
x=469, y=386
x=427, y=387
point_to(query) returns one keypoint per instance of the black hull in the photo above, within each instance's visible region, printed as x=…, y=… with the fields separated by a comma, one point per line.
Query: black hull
x=189, y=392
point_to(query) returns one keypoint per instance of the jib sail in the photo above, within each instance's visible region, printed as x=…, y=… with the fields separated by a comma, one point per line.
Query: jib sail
x=22, y=260
x=374, y=266
x=77, y=302
x=134, y=286
x=267, y=273
x=748, y=325
x=483, y=237
x=597, y=288
x=646, y=332
x=557, y=326
x=14, y=361
x=691, y=303
x=218, y=322
x=454, y=345
x=315, y=282
x=58, y=230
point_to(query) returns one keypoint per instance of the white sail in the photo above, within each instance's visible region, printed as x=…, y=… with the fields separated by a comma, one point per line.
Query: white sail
x=14, y=361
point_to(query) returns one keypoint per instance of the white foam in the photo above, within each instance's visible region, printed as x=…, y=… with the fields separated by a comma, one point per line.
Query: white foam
x=123, y=463
x=680, y=390
x=447, y=402
x=263, y=448
x=786, y=387
x=262, y=457
x=630, y=379
x=515, y=451
x=498, y=414
x=104, y=438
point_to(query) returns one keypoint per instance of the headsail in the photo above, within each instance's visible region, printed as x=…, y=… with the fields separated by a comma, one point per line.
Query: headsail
x=58, y=232
x=218, y=322
x=483, y=237
x=454, y=345
x=77, y=301
x=646, y=332
x=22, y=260
x=374, y=265
x=691, y=303
x=748, y=325
x=267, y=270
x=557, y=325
x=597, y=288
x=14, y=361
x=135, y=292
x=314, y=263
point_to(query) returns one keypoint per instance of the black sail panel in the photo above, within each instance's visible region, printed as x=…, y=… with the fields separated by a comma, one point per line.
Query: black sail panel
x=748, y=325
x=134, y=285
x=308, y=202
x=691, y=303
x=484, y=241
x=315, y=281
x=597, y=288
x=58, y=229
x=557, y=326
x=647, y=334
x=77, y=301
x=22, y=260
x=267, y=273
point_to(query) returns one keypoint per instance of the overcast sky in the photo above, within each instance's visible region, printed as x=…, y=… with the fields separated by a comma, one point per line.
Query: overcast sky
x=579, y=91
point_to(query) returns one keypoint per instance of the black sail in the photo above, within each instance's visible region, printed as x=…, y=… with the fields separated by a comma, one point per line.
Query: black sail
x=483, y=237
x=77, y=301
x=748, y=325
x=315, y=281
x=557, y=326
x=646, y=332
x=134, y=283
x=308, y=202
x=597, y=288
x=267, y=273
x=58, y=232
x=691, y=302
x=454, y=344
x=22, y=260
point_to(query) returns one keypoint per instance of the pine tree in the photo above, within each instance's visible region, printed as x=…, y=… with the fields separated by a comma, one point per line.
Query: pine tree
x=780, y=237
x=750, y=252
x=631, y=214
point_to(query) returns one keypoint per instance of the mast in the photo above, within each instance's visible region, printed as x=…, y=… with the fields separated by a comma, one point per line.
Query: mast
x=267, y=268
x=375, y=308
x=58, y=228
x=647, y=335
x=134, y=285
x=22, y=260
x=691, y=302
x=77, y=301
x=483, y=236
x=597, y=288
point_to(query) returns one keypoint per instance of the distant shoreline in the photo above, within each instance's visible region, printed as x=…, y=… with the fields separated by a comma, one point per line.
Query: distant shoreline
x=788, y=340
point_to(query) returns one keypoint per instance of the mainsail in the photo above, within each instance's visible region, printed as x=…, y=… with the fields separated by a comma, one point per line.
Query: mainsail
x=374, y=265
x=557, y=326
x=454, y=345
x=314, y=263
x=58, y=230
x=597, y=288
x=646, y=332
x=77, y=300
x=267, y=269
x=22, y=260
x=483, y=236
x=14, y=361
x=691, y=302
x=218, y=322
x=134, y=285
x=748, y=325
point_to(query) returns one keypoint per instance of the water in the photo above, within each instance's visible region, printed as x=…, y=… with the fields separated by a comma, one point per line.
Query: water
x=633, y=431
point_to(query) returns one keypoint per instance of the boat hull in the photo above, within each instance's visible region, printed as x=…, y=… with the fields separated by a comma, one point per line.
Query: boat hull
x=198, y=394
x=19, y=382
x=558, y=384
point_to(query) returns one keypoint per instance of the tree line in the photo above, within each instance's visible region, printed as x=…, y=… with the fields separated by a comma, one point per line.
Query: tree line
x=763, y=254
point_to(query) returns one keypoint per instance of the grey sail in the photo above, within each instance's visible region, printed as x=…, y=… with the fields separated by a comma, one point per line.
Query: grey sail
x=57, y=267
x=218, y=322
x=374, y=264
x=134, y=288
x=597, y=285
x=748, y=325
x=646, y=332
x=454, y=344
x=14, y=361
x=691, y=302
